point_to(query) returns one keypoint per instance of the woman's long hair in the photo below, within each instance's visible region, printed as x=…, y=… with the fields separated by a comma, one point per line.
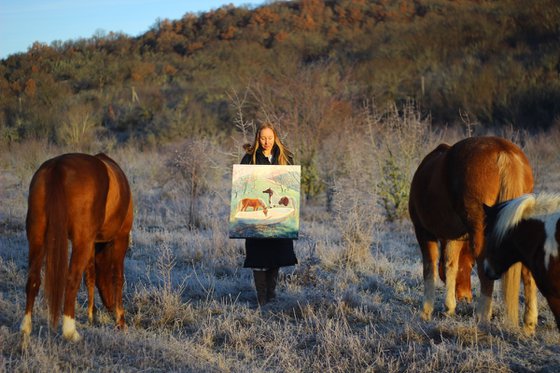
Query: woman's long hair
x=282, y=153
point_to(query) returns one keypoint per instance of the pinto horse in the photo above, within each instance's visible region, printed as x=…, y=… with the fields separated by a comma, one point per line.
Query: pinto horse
x=270, y=192
x=87, y=200
x=285, y=201
x=446, y=201
x=527, y=229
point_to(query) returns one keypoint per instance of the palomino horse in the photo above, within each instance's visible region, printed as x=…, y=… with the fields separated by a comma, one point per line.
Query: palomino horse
x=254, y=203
x=87, y=200
x=446, y=205
x=527, y=229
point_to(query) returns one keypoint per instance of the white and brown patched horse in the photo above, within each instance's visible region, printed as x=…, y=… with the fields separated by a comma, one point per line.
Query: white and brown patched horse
x=527, y=229
x=86, y=200
x=447, y=194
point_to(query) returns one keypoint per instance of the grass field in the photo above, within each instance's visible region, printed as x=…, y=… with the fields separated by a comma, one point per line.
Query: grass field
x=352, y=304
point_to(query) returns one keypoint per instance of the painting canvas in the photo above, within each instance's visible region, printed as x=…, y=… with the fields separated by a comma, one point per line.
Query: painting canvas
x=265, y=201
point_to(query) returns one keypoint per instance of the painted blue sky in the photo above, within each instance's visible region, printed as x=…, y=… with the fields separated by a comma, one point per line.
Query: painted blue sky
x=23, y=22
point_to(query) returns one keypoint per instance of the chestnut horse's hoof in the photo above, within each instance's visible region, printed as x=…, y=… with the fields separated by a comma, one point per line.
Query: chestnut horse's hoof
x=69, y=329
x=121, y=325
x=25, y=326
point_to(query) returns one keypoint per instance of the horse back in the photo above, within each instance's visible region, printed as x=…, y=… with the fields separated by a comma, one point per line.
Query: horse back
x=118, y=206
x=487, y=170
x=83, y=183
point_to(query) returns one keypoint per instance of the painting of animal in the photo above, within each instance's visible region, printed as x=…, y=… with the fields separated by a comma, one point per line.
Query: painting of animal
x=283, y=201
x=254, y=203
x=270, y=193
x=447, y=194
x=86, y=200
x=527, y=229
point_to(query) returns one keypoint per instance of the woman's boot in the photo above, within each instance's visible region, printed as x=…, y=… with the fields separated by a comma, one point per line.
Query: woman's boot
x=271, y=281
x=260, y=286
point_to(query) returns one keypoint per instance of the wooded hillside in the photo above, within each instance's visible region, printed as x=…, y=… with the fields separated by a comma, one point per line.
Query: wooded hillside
x=309, y=63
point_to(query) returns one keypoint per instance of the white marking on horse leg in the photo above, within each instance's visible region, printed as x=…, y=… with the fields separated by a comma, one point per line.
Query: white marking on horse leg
x=91, y=312
x=69, y=329
x=530, y=317
x=450, y=296
x=452, y=251
x=119, y=316
x=484, y=308
x=25, y=326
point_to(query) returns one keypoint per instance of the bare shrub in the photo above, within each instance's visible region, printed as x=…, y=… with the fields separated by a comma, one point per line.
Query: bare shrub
x=400, y=138
x=355, y=217
x=79, y=128
x=349, y=306
x=354, y=204
x=542, y=151
x=195, y=164
x=306, y=105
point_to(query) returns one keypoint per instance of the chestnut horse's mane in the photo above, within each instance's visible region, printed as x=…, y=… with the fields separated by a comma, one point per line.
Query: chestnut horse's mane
x=527, y=206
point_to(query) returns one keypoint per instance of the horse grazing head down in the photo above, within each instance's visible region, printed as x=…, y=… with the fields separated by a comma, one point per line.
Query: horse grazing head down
x=92, y=210
x=254, y=203
x=534, y=215
x=527, y=229
x=446, y=200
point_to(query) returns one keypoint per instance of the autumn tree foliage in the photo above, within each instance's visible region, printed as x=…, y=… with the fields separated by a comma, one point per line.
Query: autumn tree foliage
x=496, y=61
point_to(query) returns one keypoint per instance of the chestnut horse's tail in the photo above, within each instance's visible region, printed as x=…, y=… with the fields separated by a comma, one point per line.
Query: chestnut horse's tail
x=516, y=178
x=56, y=243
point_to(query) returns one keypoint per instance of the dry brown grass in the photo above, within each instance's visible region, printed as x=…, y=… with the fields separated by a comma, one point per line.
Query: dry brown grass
x=351, y=305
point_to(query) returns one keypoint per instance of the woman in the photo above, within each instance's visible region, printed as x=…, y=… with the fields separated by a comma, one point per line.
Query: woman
x=266, y=256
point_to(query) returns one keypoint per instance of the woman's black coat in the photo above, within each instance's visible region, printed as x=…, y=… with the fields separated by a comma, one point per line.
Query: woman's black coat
x=267, y=252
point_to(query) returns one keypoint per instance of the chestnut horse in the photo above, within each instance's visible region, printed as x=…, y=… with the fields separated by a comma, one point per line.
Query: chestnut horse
x=254, y=203
x=87, y=200
x=446, y=206
x=527, y=229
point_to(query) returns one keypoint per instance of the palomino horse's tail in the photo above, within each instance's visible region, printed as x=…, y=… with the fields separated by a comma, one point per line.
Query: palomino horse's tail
x=56, y=239
x=514, y=175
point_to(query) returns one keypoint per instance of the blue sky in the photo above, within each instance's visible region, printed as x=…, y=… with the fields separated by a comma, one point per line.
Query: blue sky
x=22, y=22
